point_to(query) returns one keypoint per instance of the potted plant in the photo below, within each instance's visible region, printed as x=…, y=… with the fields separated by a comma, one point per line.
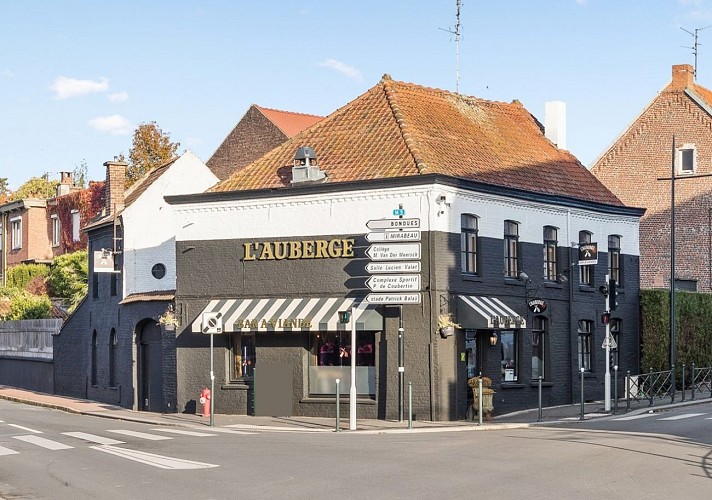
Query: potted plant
x=487, y=395
x=446, y=325
x=168, y=320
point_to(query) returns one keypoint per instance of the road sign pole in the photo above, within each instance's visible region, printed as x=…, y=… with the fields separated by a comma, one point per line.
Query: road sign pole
x=401, y=368
x=212, y=384
x=352, y=389
x=607, y=377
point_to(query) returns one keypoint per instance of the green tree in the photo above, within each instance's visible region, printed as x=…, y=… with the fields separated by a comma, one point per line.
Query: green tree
x=4, y=190
x=151, y=148
x=37, y=187
x=20, y=304
x=80, y=174
x=68, y=277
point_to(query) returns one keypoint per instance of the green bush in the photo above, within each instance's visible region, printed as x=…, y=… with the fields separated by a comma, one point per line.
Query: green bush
x=19, y=276
x=20, y=304
x=68, y=277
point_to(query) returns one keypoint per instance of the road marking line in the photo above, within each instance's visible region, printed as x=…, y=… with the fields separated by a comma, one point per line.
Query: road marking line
x=142, y=435
x=159, y=461
x=685, y=415
x=7, y=451
x=92, y=438
x=635, y=417
x=185, y=433
x=44, y=443
x=25, y=428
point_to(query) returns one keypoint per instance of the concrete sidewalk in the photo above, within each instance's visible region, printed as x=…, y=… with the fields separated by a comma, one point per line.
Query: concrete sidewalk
x=526, y=418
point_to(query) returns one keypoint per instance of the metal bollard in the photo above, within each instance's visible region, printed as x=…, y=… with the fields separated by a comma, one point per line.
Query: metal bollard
x=683, y=382
x=480, y=398
x=693, y=381
x=615, y=389
x=627, y=391
x=650, y=390
x=582, y=401
x=410, y=405
x=338, y=412
x=540, y=379
x=673, y=384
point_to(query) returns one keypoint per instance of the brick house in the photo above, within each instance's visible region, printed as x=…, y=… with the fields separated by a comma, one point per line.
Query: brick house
x=406, y=204
x=257, y=132
x=638, y=168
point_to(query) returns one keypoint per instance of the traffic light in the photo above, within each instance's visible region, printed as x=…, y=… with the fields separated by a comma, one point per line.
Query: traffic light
x=344, y=316
x=605, y=318
x=612, y=295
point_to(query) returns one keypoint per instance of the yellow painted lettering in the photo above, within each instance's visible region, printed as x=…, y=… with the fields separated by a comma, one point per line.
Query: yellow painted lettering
x=295, y=250
x=348, y=249
x=280, y=250
x=321, y=251
x=335, y=248
x=308, y=249
x=267, y=253
x=248, y=252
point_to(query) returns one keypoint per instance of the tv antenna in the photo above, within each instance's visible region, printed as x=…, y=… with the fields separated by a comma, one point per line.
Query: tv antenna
x=456, y=32
x=695, y=45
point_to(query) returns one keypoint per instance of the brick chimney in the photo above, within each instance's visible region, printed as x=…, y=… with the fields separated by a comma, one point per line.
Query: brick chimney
x=66, y=182
x=115, y=184
x=683, y=76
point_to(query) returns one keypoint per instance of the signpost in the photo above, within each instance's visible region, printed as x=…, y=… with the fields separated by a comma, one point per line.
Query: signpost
x=394, y=282
x=393, y=251
x=393, y=236
x=393, y=224
x=393, y=267
x=393, y=298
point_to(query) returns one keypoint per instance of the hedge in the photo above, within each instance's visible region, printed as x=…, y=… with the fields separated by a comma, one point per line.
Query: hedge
x=20, y=275
x=20, y=304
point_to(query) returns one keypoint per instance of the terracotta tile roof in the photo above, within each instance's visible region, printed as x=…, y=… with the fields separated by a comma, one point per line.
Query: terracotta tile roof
x=158, y=295
x=399, y=129
x=288, y=122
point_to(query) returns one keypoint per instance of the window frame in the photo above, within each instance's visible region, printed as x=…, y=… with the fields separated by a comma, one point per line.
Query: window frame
x=338, y=358
x=513, y=362
x=680, y=157
x=551, y=252
x=113, y=342
x=540, y=327
x=76, y=224
x=586, y=273
x=614, y=259
x=16, y=233
x=511, y=249
x=94, y=359
x=469, y=237
x=242, y=357
x=56, y=230
x=585, y=345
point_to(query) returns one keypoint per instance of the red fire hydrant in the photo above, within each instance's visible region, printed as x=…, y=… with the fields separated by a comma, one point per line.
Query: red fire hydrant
x=205, y=401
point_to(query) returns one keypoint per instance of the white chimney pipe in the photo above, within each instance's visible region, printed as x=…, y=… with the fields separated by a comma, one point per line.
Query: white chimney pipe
x=555, y=123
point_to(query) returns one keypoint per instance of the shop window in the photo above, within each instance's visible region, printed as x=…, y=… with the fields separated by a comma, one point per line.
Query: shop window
x=94, y=367
x=539, y=347
x=112, y=358
x=615, y=334
x=550, y=253
x=511, y=249
x=508, y=341
x=56, y=226
x=585, y=341
x=75, y=225
x=614, y=259
x=586, y=272
x=331, y=359
x=468, y=243
x=16, y=233
x=242, y=364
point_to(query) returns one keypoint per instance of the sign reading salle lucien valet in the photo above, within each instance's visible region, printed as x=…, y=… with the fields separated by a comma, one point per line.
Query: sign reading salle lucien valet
x=305, y=249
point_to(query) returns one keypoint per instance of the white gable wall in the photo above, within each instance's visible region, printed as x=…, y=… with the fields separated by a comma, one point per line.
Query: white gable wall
x=149, y=225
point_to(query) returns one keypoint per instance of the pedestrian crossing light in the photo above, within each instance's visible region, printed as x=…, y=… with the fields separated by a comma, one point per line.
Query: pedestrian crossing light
x=612, y=295
x=344, y=316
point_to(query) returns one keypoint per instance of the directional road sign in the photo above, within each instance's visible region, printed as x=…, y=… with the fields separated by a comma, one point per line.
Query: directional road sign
x=393, y=224
x=393, y=267
x=394, y=282
x=393, y=298
x=393, y=251
x=394, y=236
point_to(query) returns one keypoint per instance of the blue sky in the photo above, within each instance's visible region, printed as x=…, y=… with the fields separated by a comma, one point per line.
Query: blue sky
x=77, y=76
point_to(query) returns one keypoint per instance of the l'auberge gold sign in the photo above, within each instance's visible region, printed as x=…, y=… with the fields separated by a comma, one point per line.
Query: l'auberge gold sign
x=306, y=249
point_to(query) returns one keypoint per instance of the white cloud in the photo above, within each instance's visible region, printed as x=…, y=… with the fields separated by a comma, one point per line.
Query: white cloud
x=66, y=88
x=118, y=97
x=114, y=125
x=344, y=69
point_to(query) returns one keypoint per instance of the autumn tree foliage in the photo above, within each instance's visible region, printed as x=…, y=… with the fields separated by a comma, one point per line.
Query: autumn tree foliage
x=40, y=188
x=151, y=148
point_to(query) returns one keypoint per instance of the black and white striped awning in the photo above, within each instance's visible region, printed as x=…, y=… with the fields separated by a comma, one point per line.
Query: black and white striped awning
x=475, y=313
x=282, y=315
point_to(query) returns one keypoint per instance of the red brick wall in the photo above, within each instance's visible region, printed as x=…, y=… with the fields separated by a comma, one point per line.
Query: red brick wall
x=632, y=167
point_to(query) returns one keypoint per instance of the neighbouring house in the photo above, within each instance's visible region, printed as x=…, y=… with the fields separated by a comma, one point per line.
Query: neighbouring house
x=258, y=131
x=639, y=166
x=406, y=206
x=112, y=348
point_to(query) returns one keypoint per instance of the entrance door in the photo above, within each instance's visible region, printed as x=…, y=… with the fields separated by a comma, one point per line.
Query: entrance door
x=150, y=369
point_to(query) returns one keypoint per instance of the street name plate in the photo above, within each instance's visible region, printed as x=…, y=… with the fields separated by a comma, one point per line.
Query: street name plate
x=393, y=298
x=393, y=267
x=393, y=224
x=394, y=251
x=394, y=282
x=394, y=236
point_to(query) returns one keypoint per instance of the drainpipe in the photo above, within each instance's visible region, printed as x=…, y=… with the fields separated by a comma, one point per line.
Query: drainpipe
x=431, y=297
x=572, y=325
x=4, y=249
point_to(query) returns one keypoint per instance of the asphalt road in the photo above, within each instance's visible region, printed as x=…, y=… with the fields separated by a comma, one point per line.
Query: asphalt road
x=51, y=454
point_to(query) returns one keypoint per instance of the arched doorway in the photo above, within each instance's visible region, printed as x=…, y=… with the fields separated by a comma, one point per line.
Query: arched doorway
x=149, y=367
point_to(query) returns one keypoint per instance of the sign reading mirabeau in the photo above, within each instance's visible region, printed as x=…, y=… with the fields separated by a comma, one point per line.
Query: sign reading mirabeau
x=305, y=249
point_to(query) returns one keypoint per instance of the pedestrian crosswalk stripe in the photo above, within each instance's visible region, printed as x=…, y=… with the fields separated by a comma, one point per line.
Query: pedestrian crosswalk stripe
x=25, y=428
x=153, y=460
x=44, y=443
x=142, y=435
x=635, y=417
x=684, y=415
x=92, y=438
x=7, y=451
x=184, y=433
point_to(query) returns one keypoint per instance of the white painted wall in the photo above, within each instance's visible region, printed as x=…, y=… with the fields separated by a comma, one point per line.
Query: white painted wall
x=149, y=225
x=348, y=212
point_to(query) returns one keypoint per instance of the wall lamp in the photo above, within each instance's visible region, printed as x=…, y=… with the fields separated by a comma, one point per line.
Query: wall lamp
x=493, y=338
